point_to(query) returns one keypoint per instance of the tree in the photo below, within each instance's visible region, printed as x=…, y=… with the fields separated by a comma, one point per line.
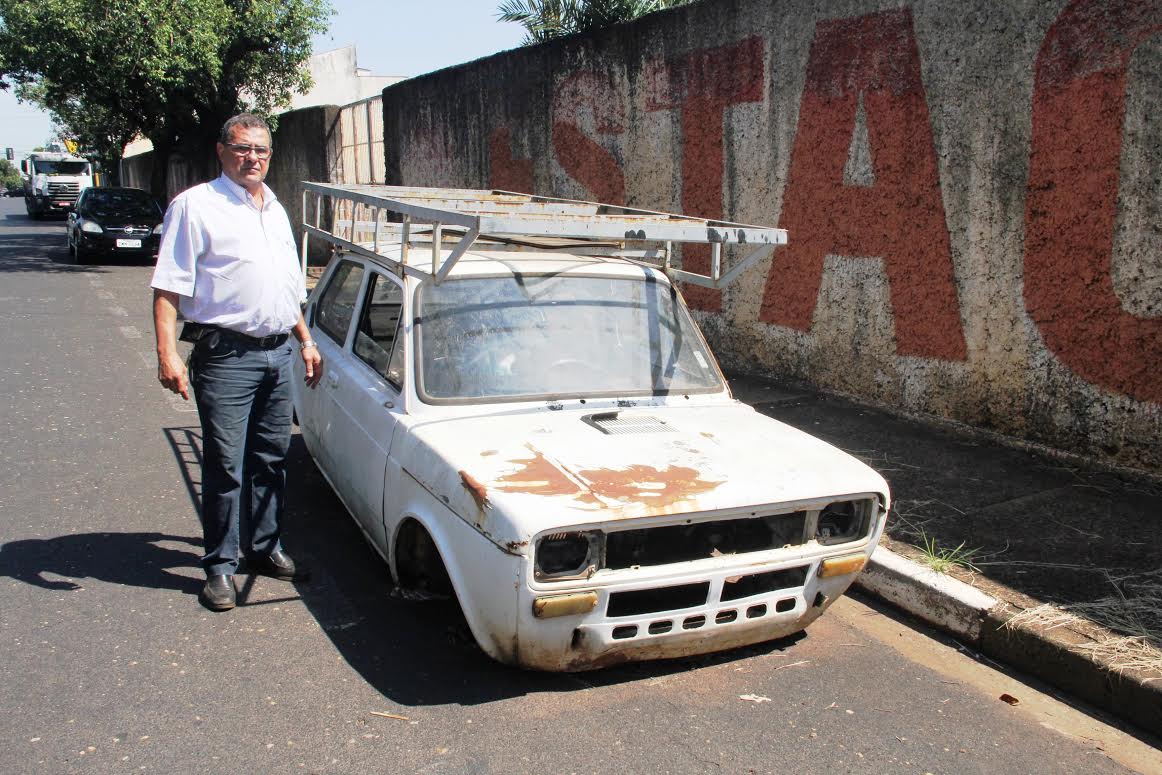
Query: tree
x=548, y=19
x=99, y=130
x=171, y=70
x=9, y=175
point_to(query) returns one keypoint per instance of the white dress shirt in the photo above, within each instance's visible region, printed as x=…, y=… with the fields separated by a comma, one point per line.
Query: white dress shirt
x=232, y=263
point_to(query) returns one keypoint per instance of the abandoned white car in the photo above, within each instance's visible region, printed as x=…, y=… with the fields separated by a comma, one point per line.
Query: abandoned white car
x=517, y=408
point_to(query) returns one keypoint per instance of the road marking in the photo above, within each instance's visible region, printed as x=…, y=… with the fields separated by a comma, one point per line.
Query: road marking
x=130, y=332
x=119, y=312
x=95, y=281
x=104, y=295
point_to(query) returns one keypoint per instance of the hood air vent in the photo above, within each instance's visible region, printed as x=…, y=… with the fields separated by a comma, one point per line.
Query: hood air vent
x=614, y=424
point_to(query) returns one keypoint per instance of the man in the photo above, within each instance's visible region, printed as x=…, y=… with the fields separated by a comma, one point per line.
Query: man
x=227, y=261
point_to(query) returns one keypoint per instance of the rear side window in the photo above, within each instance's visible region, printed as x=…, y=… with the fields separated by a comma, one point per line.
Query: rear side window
x=377, y=340
x=337, y=304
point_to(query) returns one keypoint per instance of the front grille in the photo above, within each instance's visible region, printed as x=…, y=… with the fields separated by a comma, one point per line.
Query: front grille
x=64, y=191
x=758, y=583
x=130, y=231
x=681, y=543
x=648, y=601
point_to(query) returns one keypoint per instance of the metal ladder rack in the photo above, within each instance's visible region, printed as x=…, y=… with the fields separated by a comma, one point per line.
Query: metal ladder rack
x=502, y=220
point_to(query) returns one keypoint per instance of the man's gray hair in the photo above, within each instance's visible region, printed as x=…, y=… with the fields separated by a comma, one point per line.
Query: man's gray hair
x=243, y=121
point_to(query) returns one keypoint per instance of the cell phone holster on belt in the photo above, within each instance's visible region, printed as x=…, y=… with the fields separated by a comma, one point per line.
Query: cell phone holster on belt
x=193, y=332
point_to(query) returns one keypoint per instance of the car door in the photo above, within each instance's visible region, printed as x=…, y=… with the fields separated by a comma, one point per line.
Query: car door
x=330, y=318
x=71, y=224
x=363, y=401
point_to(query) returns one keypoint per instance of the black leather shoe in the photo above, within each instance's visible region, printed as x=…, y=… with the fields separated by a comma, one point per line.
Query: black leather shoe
x=218, y=594
x=278, y=565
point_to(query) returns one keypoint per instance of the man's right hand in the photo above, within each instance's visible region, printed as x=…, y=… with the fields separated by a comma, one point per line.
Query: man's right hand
x=171, y=370
x=172, y=373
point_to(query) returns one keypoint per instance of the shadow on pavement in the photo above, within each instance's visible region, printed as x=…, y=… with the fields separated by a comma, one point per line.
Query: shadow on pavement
x=186, y=445
x=29, y=253
x=129, y=559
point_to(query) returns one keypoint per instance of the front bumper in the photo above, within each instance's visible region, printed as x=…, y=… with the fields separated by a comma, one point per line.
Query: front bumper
x=54, y=204
x=598, y=639
x=117, y=243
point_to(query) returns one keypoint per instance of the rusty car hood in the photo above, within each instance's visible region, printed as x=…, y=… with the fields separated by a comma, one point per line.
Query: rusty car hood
x=515, y=475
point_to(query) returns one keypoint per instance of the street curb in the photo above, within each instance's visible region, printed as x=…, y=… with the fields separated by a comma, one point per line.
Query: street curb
x=949, y=604
x=982, y=622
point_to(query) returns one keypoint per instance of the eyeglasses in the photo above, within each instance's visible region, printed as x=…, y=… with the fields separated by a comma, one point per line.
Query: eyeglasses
x=242, y=151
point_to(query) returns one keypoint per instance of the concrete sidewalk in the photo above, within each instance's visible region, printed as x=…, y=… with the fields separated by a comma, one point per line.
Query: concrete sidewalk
x=1046, y=529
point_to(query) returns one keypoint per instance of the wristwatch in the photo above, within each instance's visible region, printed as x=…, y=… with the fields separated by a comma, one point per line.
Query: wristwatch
x=307, y=343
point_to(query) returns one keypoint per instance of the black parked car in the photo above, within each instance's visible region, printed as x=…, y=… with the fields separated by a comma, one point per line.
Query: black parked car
x=114, y=221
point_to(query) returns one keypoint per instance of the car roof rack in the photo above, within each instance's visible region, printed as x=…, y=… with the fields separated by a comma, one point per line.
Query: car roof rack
x=366, y=219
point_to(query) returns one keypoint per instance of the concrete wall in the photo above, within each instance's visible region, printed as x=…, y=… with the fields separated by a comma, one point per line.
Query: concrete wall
x=308, y=146
x=972, y=190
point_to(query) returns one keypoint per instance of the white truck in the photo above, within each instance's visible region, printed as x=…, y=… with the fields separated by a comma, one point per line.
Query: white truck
x=519, y=411
x=53, y=180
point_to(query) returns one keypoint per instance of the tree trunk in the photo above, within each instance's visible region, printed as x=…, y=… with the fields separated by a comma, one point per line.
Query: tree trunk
x=159, y=173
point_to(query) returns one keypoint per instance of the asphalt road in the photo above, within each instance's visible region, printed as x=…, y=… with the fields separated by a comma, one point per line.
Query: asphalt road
x=108, y=664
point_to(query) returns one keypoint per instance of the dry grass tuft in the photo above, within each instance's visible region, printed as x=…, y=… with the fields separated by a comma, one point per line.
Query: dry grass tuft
x=1133, y=615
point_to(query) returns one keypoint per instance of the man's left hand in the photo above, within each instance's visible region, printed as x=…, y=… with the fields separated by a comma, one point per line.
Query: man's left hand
x=313, y=360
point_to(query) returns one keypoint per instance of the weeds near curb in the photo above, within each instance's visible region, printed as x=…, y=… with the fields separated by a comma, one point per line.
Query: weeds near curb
x=941, y=559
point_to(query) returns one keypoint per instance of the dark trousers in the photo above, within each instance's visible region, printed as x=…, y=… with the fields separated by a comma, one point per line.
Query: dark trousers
x=244, y=403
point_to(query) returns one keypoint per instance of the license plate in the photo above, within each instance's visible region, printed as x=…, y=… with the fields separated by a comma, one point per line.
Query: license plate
x=128, y=243
x=63, y=204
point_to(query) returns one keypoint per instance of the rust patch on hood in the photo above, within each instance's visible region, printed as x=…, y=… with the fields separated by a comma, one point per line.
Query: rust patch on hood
x=475, y=489
x=648, y=485
x=657, y=488
x=539, y=476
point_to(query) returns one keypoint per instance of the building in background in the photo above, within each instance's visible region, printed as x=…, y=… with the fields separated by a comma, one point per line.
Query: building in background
x=339, y=80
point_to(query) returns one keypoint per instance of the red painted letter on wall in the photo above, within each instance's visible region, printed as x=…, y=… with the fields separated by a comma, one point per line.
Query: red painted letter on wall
x=899, y=217
x=586, y=160
x=705, y=83
x=506, y=172
x=1079, y=102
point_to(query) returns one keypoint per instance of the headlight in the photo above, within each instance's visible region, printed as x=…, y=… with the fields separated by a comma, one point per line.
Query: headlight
x=562, y=556
x=157, y=229
x=90, y=227
x=843, y=521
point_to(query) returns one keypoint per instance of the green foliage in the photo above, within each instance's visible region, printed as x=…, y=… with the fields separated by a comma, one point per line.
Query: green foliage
x=172, y=70
x=9, y=174
x=549, y=19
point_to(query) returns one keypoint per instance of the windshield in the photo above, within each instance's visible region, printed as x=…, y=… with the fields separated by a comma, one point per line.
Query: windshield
x=44, y=167
x=120, y=204
x=504, y=338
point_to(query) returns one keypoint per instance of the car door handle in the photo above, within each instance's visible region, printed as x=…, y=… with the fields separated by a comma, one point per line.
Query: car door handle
x=332, y=379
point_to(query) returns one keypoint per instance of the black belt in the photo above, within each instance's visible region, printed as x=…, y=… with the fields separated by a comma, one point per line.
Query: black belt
x=196, y=332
